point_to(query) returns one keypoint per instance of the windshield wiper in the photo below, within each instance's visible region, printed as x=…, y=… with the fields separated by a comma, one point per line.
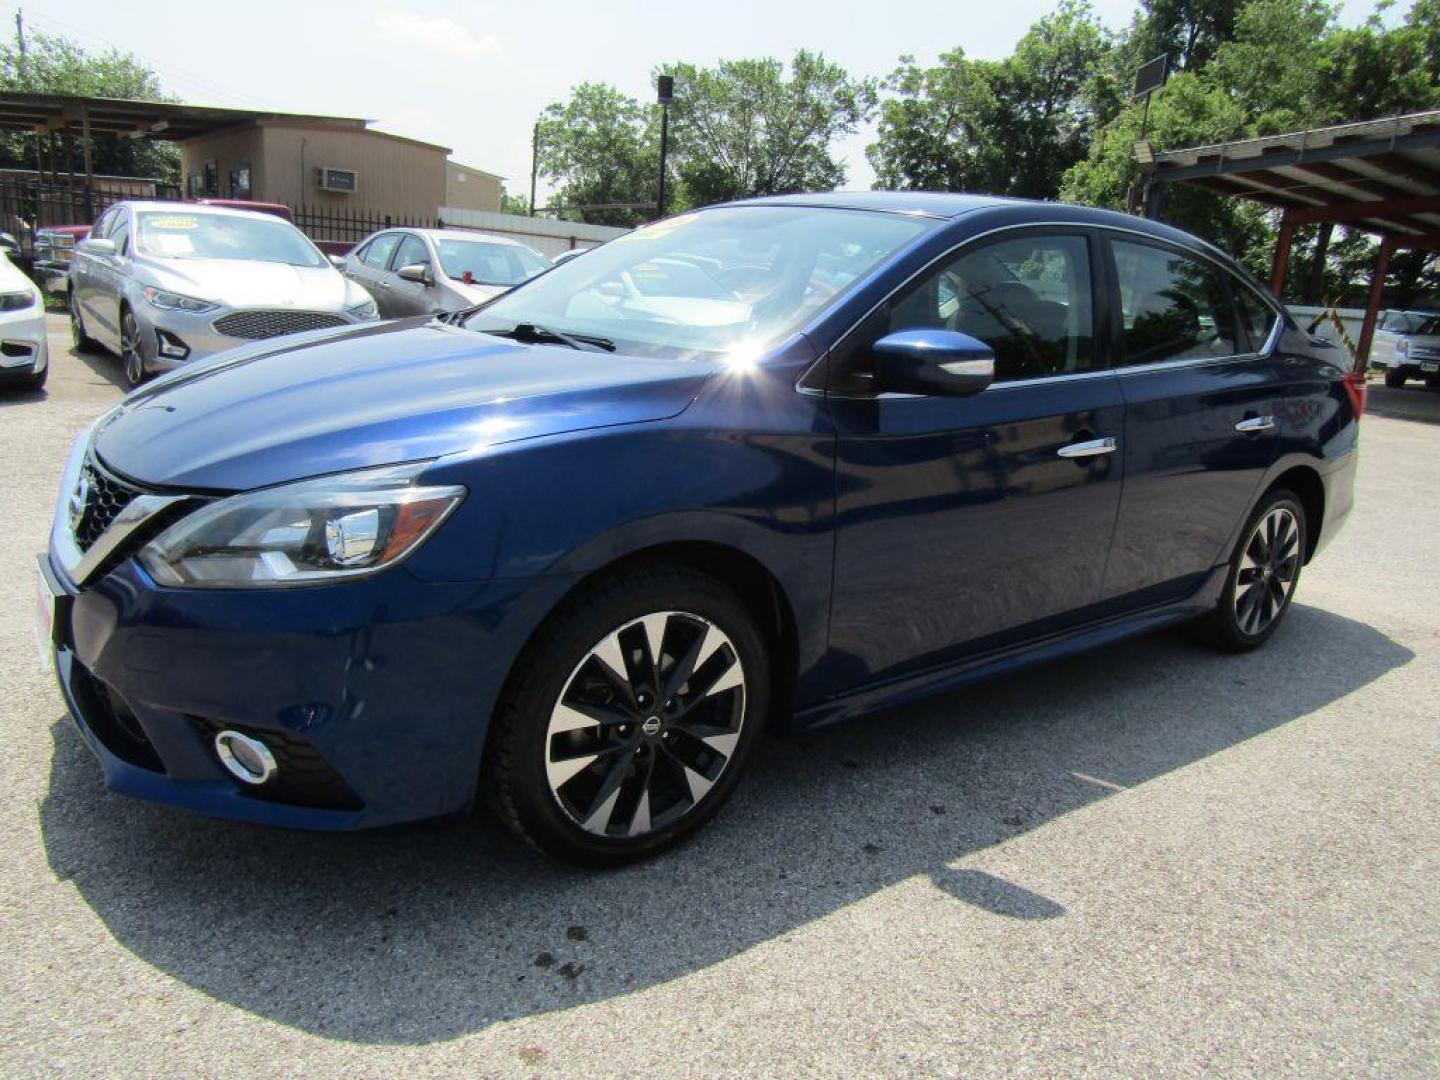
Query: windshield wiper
x=532, y=333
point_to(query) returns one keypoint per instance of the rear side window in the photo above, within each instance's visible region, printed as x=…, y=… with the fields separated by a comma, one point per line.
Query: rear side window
x=1174, y=307
x=1257, y=318
x=377, y=252
x=1028, y=297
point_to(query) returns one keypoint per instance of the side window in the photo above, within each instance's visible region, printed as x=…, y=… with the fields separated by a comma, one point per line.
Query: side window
x=102, y=227
x=377, y=253
x=1174, y=307
x=1028, y=297
x=412, y=250
x=1257, y=318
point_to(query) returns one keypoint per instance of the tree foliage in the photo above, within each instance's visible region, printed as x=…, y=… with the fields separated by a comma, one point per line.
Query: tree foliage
x=56, y=65
x=601, y=147
x=1009, y=126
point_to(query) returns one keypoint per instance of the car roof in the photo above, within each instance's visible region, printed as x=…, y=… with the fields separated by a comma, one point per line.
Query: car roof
x=455, y=234
x=198, y=208
x=940, y=204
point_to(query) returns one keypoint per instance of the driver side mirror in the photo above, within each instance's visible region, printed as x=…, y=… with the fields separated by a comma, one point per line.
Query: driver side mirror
x=933, y=362
x=417, y=272
x=97, y=246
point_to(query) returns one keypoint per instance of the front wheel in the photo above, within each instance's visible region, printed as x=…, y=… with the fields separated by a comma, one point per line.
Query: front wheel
x=132, y=357
x=1394, y=378
x=82, y=341
x=1264, y=571
x=629, y=720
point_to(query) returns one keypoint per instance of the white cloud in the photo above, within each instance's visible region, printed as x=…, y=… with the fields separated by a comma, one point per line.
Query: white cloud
x=440, y=33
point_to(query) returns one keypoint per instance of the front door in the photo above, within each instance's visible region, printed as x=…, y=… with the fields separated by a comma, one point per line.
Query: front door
x=1202, y=394
x=411, y=297
x=967, y=523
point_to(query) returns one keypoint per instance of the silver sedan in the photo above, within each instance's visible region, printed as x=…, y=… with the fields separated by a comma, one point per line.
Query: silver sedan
x=428, y=271
x=161, y=284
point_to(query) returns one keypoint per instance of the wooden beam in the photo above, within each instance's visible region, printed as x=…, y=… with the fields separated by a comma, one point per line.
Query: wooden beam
x=1372, y=305
x=1281, y=262
x=1328, y=170
x=1363, y=211
x=1400, y=165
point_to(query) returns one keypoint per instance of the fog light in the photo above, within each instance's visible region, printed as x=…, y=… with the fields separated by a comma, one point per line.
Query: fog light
x=171, y=346
x=247, y=759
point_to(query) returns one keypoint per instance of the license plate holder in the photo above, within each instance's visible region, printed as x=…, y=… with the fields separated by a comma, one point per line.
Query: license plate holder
x=52, y=612
x=1430, y=365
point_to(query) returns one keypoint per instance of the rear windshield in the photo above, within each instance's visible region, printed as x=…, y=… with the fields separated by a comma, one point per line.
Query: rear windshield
x=178, y=235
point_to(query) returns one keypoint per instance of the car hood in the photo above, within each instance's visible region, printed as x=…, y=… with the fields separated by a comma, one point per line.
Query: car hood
x=252, y=283
x=374, y=395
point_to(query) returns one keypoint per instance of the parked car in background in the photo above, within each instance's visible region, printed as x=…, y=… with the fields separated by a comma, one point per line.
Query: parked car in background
x=274, y=209
x=1407, y=346
x=769, y=464
x=161, y=284
x=54, y=249
x=24, y=352
x=573, y=253
x=429, y=271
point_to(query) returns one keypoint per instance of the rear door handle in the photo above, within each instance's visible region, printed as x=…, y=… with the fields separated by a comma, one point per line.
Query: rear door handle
x=1088, y=448
x=1255, y=423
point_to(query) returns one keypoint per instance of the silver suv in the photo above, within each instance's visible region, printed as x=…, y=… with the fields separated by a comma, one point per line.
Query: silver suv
x=162, y=283
x=1407, y=346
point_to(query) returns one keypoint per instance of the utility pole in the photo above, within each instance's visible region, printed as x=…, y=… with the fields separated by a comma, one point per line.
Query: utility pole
x=20, y=38
x=534, y=163
x=665, y=93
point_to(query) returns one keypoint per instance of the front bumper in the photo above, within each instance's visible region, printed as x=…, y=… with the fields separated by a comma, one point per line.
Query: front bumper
x=198, y=334
x=24, y=345
x=374, y=695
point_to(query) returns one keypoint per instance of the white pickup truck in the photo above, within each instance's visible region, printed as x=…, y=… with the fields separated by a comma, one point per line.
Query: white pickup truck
x=1407, y=346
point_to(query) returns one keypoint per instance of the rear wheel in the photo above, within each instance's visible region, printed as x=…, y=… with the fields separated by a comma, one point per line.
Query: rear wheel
x=1264, y=572
x=1394, y=378
x=132, y=359
x=630, y=718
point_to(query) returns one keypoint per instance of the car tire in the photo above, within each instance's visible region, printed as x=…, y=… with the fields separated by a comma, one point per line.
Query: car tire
x=132, y=357
x=1264, y=573
x=668, y=748
x=36, y=379
x=82, y=341
x=1432, y=382
x=1394, y=378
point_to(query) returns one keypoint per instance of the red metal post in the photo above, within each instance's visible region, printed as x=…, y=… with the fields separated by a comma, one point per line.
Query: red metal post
x=1282, y=255
x=1372, y=306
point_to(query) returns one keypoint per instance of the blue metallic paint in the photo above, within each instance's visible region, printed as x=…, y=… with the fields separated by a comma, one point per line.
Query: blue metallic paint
x=958, y=544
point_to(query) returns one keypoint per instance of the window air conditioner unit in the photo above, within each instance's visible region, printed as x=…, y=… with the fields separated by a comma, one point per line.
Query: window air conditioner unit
x=341, y=180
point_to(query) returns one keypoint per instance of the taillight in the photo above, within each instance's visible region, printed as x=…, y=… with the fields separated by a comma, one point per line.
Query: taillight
x=1358, y=389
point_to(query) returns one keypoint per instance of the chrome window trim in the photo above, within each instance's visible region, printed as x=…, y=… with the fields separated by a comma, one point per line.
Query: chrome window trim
x=1006, y=384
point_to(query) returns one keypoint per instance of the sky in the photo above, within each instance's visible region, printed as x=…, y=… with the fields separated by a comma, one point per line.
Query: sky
x=474, y=74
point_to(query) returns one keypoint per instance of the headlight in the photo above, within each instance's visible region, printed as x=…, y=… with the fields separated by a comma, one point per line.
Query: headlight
x=17, y=301
x=306, y=533
x=1403, y=346
x=364, y=310
x=169, y=301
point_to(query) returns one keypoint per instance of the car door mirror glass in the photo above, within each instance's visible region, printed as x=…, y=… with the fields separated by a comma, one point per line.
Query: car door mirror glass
x=337, y=261
x=931, y=361
x=98, y=246
x=418, y=272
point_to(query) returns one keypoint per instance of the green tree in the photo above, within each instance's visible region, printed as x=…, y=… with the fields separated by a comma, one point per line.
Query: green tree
x=1187, y=31
x=1010, y=126
x=745, y=127
x=514, y=204
x=601, y=147
x=56, y=65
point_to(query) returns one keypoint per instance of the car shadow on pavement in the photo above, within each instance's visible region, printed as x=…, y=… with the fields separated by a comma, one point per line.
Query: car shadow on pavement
x=427, y=933
x=1412, y=402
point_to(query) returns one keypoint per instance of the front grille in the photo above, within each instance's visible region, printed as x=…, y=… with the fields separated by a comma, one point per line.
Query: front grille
x=268, y=324
x=1424, y=353
x=302, y=777
x=96, y=502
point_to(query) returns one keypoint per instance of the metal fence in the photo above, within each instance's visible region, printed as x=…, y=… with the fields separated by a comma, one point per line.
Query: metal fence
x=333, y=227
x=28, y=204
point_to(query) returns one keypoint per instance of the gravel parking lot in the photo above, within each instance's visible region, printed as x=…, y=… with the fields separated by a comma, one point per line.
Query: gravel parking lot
x=1152, y=859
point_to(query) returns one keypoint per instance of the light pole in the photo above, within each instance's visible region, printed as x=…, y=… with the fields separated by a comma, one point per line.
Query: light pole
x=665, y=94
x=534, y=163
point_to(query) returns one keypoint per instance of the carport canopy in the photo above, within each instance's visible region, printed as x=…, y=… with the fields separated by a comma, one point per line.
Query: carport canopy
x=1381, y=176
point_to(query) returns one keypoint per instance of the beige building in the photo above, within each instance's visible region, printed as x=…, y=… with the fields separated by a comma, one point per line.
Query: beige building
x=468, y=188
x=332, y=165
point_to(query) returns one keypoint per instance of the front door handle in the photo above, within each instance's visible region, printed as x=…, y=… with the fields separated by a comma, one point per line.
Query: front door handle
x=1255, y=423
x=1088, y=448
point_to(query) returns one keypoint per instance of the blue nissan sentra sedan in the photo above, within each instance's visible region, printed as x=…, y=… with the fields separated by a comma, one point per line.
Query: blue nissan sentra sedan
x=766, y=465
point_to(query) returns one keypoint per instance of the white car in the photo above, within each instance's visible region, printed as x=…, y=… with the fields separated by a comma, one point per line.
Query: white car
x=24, y=354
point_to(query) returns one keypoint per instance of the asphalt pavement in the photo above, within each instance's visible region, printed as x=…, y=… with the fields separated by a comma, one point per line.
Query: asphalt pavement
x=1151, y=860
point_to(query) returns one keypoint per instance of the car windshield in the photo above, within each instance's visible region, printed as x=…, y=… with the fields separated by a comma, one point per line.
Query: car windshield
x=178, y=235
x=707, y=282
x=489, y=263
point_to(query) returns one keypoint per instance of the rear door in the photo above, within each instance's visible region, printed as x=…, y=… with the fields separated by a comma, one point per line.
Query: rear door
x=1202, y=389
x=965, y=523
